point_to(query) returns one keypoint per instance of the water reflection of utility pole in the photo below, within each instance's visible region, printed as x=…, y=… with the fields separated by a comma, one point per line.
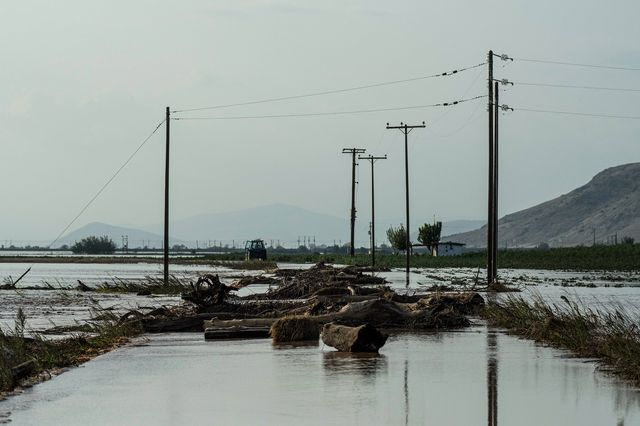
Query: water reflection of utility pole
x=492, y=378
x=406, y=391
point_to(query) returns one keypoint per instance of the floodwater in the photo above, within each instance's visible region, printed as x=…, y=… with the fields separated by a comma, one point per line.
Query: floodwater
x=476, y=376
x=45, y=309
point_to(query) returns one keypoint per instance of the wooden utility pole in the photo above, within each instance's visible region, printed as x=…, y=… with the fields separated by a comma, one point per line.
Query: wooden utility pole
x=490, y=201
x=372, y=160
x=353, y=152
x=166, y=200
x=406, y=129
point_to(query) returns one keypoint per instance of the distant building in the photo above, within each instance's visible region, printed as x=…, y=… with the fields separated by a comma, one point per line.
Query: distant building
x=445, y=248
x=449, y=248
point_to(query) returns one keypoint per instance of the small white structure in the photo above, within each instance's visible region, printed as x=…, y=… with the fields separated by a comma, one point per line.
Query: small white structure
x=449, y=248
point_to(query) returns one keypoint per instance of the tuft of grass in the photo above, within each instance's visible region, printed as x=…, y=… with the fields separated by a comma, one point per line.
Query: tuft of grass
x=610, y=335
x=294, y=328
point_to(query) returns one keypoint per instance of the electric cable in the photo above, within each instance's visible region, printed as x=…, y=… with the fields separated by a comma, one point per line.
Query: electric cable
x=97, y=194
x=315, y=114
x=330, y=92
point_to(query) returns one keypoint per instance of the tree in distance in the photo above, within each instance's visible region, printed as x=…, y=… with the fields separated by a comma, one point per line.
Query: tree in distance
x=429, y=236
x=94, y=245
x=397, y=237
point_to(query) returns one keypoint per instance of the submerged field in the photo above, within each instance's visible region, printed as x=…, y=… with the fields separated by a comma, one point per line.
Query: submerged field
x=494, y=369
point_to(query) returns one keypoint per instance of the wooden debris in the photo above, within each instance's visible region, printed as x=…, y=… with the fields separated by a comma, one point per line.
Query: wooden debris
x=238, y=332
x=364, y=338
x=207, y=291
x=294, y=328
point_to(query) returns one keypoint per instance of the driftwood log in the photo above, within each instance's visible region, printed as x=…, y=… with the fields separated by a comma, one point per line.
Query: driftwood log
x=237, y=332
x=444, y=311
x=23, y=370
x=364, y=338
x=295, y=328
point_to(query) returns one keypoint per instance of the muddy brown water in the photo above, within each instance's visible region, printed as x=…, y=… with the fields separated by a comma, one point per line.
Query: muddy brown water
x=476, y=376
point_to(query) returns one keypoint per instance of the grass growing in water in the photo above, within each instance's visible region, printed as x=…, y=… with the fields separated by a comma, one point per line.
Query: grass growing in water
x=150, y=285
x=610, y=335
x=22, y=356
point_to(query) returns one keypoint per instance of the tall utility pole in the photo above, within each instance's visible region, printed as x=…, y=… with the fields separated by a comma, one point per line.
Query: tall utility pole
x=353, y=152
x=166, y=200
x=406, y=129
x=492, y=222
x=496, y=108
x=372, y=160
x=490, y=201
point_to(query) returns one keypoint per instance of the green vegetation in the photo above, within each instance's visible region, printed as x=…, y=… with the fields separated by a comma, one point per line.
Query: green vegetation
x=397, y=237
x=612, y=336
x=22, y=357
x=94, y=245
x=429, y=235
x=615, y=257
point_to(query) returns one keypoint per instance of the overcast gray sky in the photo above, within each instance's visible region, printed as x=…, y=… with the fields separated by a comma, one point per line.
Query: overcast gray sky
x=83, y=83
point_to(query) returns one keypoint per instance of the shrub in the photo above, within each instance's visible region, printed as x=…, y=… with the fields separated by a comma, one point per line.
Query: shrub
x=397, y=237
x=94, y=245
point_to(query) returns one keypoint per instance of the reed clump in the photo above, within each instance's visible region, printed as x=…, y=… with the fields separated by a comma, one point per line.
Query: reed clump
x=610, y=335
x=294, y=328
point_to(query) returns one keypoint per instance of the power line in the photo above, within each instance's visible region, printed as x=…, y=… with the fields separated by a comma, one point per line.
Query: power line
x=570, y=86
x=330, y=92
x=97, y=194
x=575, y=64
x=314, y=114
x=584, y=114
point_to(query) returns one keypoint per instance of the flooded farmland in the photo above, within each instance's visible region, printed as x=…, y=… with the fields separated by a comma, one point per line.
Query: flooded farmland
x=470, y=377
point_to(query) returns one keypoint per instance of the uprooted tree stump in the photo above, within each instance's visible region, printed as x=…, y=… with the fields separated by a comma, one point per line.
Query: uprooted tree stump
x=365, y=338
x=207, y=291
x=294, y=328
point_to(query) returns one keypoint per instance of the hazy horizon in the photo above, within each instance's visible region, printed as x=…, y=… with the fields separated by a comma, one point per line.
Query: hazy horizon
x=86, y=82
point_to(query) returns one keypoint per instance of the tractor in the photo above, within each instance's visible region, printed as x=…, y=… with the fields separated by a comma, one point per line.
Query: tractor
x=255, y=249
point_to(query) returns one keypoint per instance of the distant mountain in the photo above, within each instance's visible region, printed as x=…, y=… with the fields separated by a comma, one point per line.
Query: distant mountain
x=285, y=223
x=609, y=204
x=277, y=221
x=458, y=226
x=137, y=238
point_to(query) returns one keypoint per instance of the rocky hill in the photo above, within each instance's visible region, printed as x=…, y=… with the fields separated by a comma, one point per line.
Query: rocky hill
x=608, y=204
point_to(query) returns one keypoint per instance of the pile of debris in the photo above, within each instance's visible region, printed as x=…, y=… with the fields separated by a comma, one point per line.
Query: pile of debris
x=322, y=280
x=303, y=301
